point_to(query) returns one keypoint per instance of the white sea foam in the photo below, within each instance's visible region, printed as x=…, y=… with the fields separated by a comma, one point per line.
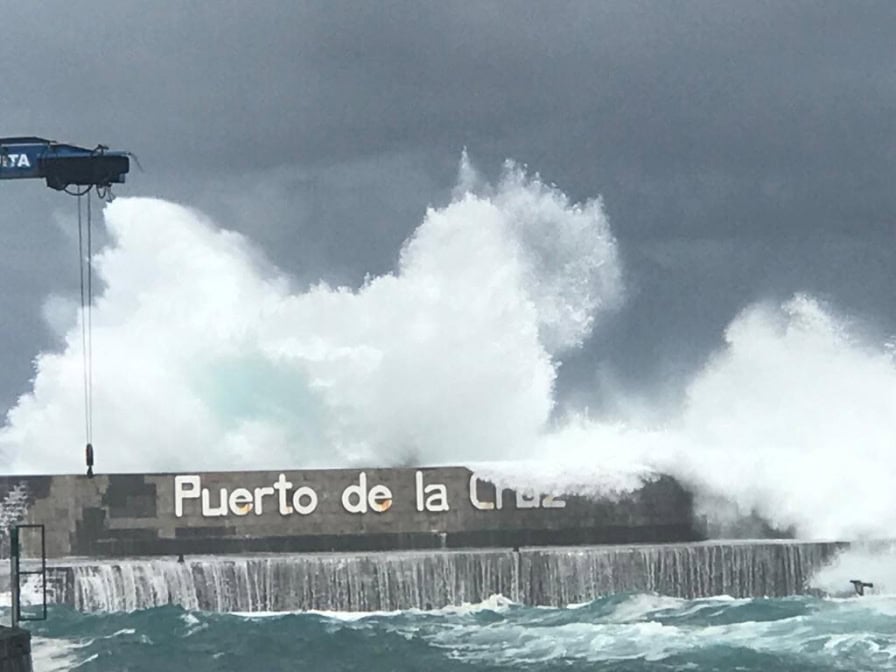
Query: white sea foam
x=448, y=359
x=793, y=419
x=31, y=592
x=871, y=563
x=639, y=607
x=612, y=640
x=495, y=603
x=54, y=655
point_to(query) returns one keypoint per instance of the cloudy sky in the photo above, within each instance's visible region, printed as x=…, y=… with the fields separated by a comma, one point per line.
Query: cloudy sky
x=744, y=151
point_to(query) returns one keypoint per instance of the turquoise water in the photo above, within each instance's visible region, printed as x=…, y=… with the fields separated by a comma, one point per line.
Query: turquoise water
x=621, y=633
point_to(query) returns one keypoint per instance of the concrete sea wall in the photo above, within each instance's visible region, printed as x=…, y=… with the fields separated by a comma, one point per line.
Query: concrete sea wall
x=423, y=579
x=373, y=539
x=113, y=516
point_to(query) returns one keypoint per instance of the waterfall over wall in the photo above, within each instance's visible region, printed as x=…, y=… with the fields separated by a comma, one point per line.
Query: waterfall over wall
x=560, y=576
x=388, y=581
x=359, y=582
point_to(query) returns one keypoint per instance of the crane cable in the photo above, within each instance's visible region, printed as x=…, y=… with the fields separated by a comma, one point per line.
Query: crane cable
x=87, y=320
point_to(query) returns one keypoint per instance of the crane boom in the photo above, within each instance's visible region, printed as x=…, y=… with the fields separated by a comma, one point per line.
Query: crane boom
x=61, y=165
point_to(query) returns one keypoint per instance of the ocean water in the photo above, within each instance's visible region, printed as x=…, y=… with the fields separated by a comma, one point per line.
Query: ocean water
x=623, y=633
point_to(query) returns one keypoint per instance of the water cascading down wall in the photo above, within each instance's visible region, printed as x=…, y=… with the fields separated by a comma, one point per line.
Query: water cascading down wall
x=375, y=539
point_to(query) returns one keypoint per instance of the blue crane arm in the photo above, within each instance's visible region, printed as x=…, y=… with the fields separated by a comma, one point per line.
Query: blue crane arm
x=61, y=165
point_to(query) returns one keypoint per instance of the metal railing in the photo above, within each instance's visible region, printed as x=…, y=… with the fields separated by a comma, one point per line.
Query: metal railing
x=17, y=572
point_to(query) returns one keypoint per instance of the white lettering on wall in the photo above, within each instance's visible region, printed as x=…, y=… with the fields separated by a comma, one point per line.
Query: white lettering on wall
x=431, y=497
x=283, y=486
x=220, y=510
x=240, y=501
x=243, y=501
x=259, y=498
x=304, y=500
x=185, y=487
x=551, y=502
x=356, y=498
x=524, y=500
x=483, y=505
x=380, y=498
x=359, y=497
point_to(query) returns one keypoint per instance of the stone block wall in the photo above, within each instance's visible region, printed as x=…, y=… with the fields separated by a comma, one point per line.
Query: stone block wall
x=324, y=510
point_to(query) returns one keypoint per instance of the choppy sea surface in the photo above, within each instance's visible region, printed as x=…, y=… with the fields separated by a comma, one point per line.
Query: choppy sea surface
x=623, y=633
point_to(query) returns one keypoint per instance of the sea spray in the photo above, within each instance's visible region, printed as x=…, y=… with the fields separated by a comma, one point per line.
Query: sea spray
x=795, y=419
x=869, y=562
x=792, y=420
x=206, y=357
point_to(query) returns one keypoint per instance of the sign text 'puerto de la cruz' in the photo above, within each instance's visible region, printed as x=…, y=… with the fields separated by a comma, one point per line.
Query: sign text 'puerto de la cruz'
x=359, y=496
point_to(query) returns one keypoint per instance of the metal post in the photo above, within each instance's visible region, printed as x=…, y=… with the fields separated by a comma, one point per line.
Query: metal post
x=14, y=573
x=43, y=565
x=17, y=573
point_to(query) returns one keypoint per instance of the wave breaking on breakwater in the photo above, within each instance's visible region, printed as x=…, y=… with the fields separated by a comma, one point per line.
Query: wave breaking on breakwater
x=453, y=358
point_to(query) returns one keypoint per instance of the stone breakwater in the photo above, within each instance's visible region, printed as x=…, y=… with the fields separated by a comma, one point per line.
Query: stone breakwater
x=339, y=510
x=431, y=579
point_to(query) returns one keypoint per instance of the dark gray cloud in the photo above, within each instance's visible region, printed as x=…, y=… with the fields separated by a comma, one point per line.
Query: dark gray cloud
x=743, y=150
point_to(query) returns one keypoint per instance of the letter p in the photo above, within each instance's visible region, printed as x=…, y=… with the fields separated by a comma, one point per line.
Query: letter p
x=185, y=487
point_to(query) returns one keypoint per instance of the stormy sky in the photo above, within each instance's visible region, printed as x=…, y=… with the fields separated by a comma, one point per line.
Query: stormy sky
x=744, y=151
